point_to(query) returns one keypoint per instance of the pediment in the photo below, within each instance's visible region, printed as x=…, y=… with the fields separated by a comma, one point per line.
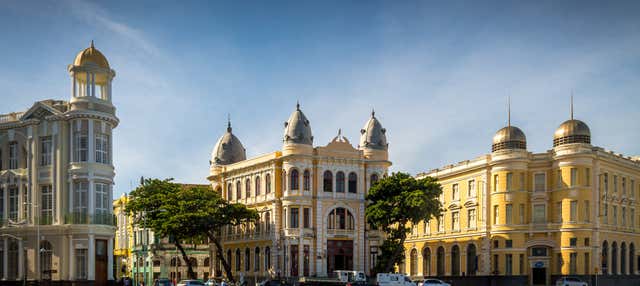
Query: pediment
x=39, y=110
x=454, y=206
x=471, y=203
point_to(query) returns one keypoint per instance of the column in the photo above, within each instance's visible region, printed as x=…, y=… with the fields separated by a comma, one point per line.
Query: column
x=21, y=265
x=21, y=214
x=110, y=259
x=92, y=258
x=5, y=257
x=73, y=85
x=91, y=196
x=93, y=84
x=5, y=201
x=72, y=258
x=87, y=84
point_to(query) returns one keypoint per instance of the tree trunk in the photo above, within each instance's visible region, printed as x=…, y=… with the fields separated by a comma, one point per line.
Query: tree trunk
x=220, y=255
x=396, y=254
x=190, y=273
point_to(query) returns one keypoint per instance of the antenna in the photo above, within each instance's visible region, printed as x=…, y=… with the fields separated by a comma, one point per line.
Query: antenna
x=373, y=112
x=571, y=104
x=297, y=104
x=509, y=111
x=228, y=122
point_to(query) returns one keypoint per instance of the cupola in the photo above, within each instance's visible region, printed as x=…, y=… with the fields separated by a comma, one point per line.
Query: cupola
x=373, y=135
x=572, y=131
x=297, y=129
x=228, y=149
x=509, y=137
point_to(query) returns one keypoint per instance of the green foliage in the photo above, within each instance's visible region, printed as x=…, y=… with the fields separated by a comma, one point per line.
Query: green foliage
x=396, y=202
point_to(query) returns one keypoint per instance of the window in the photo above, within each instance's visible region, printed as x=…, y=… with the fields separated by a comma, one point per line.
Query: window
x=509, y=214
x=471, y=217
x=374, y=179
x=46, y=151
x=471, y=190
x=339, y=182
x=539, y=182
x=455, y=194
x=586, y=262
x=306, y=180
x=267, y=258
x=509, y=182
x=573, y=211
x=496, y=243
x=102, y=148
x=615, y=184
x=247, y=188
x=605, y=213
x=587, y=177
x=632, y=189
x=539, y=251
x=237, y=259
x=509, y=264
x=508, y=243
x=294, y=180
x=427, y=227
x=573, y=257
x=306, y=221
x=624, y=186
x=559, y=212
x=587, y=213
x=229, y=191
x=573, y=242
x=539, y=213
x=615, y=214
x=81, y=264
x=495, y=183
x=521, y=264
x=606, y=182
x=574, y=176
x=495, y=215
x=353, y=183
x=13, y=203
x=340, y=218
x=267, y=221
x=327, y=181
x=633, y=217
x=495, y=264
x=373, y=256
x=294, y=218
x=102, y=201
x=624, y=216
x=238, y=190
x=46, y=210
x=441, y=223
x=455, y=221
x=247, y=260
x=522, y=185
x=559, y=179
x=257, y=183
x=1, y=205
x=521, y=214
x=13, y=155
x=81, y=146
x=80, y=199
x=267, y=183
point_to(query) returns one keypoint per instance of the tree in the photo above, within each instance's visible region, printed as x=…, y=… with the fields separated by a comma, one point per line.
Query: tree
x=187, y=212
x=395, y=203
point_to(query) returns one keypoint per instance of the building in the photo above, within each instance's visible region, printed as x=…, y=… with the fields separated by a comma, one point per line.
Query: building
x=570, y=210
x=310, y=200
x=123, y=239
x=56, y=177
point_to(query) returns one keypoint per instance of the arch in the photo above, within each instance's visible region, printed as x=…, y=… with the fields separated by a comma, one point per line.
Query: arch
x=238, y=190
x=632, y=257
x=472, y=259
x=237, y=259
x=440, y=261
x=257, y=187
x=306, y=181
x=256, y=260
x=353, y=183
x=156, y=263
x=614, y=258
x=267, y=258
x=294, y=179
x=247, y=259
x=426, y=261
x=413, y=262
x=340, y=182
x=267, y=221
x=207, y=262
x=46, y=255
x=605, y=257
x=194, y=262
x=175, y=262
x=340, y=218
x=623, y=258
x=247, y=188
x=229, y=191
x=267, y=183
x=455, y=260
x=327, y=181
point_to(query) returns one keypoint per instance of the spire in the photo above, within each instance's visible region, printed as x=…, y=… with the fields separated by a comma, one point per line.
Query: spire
x=339, y=132
x=228, y=122
x=373, y=112
x=571, y=104
x=509, y=111
x=297, y=104
x=91, y=43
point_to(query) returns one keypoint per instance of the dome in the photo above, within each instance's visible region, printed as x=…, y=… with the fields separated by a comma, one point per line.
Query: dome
x=93, y=56
x=509, y=137
x=228, y=150
x=373, y=135
x=572, y=131
x=297, y=129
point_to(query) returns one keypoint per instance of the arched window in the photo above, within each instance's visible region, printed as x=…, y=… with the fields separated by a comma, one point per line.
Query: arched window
x=175, y=261
x=238, y=190
x=294, y=180
x=207, y=262
x=306, y=181
x=327, y=181
x=472, y=260
x=237, y=259
x=440, y=261
x=340, y=182
x=229, y=192
x=413, y=263
x=267, y=221
x=46, y=251
x=257, y=185
x=340, y=218
x=426, y=262
x=267, y=183
x=247, y=187
x=247, y=260
x=193, y=262
x=256, y=260
x=632, y=257
x=229, y=257
x=614, y=258
x=604, y=258
x=455, y=260
x=267, y=258
x=623, y=258
x=353, y=183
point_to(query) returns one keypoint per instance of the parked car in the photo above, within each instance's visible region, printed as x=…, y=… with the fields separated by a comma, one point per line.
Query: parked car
x=393, y=279
x=190, y=283
x=434, y=282
x=163, y=282
x=570, y=281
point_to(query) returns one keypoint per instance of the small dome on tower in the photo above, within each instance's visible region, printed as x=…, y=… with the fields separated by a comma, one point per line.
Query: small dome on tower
x=91, y=55
x=509, y=137
x=373, y=136
x=297, y=129
x=572, y=131
x=228, y=150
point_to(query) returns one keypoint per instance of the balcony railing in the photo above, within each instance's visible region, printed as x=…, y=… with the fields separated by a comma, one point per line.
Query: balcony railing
x=45, y=220
x=85, y=218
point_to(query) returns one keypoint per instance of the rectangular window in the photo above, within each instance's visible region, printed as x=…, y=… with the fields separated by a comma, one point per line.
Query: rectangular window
x=495, y=183
x=102, y=205
x=539, y=182
x=306, y=218
x=559, y=179
x=46, y=210
x=615, y=183
x=81, y=264
x=441, y=223
x=80, y=201
x=615, y=214
x=605, y=213
x=573, y=257
x=102, y=148
x=573, y=211
x=294, y=218
x=455, y=194
x=624, y=186
x=632, y=188
x=624, y=216
x=13, y=203
x=508, y=243
x=587, y=211
x=522, y=185
x=455, y=221
x=633, y=217
x=521, y=214
x=574, y=176
x=587, y=177
x=509, y=264
x=509, y=182
x=509, y=214
x=81, y=146
x=471, y=191
x=521, y=264
x=606, y=182
x=586, y=263
x=373, y=256
x=573, y=242
x=559, y=212
x=427, y=227
x=471, y=218
x=495, y=264
x=13, y=155
x=1, y=203
x=539, y=213
x=586, y=242
x=46, y=151
x=495, y=215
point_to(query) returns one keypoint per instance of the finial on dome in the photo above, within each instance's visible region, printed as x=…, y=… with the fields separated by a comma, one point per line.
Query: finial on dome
x=92, y=43
x=339, y=131
x=373, y=112
x=572, y=104
x=228, y=122
x=509, y=111
x=297, y=104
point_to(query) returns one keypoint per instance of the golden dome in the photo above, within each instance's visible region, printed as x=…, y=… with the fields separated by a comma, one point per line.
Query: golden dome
x=509, y=137
x=91, y=55
x=572, y=131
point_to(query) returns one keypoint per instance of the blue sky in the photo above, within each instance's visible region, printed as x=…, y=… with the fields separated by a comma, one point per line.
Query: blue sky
x=438, y=75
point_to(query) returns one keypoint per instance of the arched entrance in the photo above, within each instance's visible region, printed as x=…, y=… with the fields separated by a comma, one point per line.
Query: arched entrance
x=623, y=258
x=632, y=255
x=614, y=258
x=604, y=258
x=440, y=262
x=426, y=262
x=340, y=228
x=472, y=260
x=455, y=261
x=46, y=252
x=413, y=262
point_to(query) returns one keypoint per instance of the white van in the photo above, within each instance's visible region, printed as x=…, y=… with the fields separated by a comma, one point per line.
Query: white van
x=393, y=279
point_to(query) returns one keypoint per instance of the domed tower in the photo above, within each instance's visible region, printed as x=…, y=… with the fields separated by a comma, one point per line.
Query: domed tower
x=91, y=81
x=228, y=150
x=297, y=134
x=510, y=137
x=572, y=131
x=373, y=139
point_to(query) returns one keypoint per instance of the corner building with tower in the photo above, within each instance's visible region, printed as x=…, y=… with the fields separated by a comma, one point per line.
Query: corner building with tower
x=56, y=178
x=572, y=210
x=310, y=200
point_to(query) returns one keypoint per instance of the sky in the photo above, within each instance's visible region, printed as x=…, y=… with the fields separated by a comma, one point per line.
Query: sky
x=437, y=74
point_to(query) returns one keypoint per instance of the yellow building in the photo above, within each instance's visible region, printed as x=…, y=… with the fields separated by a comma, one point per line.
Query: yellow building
x=123, y=238
x=310, y=200
x=570, y=210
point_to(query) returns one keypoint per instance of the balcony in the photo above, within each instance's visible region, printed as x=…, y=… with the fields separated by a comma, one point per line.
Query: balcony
x=84, y=218
x=299, y=232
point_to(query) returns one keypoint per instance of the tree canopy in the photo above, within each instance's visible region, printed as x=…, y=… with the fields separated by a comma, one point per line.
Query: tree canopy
x=394, y=204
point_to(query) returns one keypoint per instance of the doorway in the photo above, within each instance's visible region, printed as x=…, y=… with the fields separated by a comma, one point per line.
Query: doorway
x=101, y=262
x=539, y=276
x=339, y=255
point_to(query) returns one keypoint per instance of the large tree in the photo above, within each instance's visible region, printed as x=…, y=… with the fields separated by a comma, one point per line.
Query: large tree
x=186, y=212
x=395, y=203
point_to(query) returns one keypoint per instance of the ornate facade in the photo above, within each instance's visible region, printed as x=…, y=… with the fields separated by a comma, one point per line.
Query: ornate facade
x=310, y=200
x=570, y=210
x=56, y=177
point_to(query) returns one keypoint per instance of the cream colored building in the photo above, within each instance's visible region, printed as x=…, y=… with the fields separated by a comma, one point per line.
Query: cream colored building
x=310, y=200
x=56, y=178
x=570, y=210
